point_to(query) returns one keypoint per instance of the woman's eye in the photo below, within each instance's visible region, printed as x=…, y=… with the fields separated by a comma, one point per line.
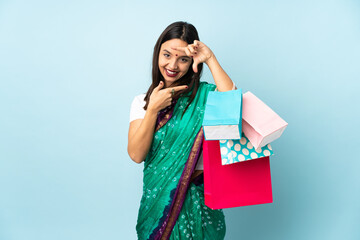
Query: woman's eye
x=184, y=60
x=166, y=55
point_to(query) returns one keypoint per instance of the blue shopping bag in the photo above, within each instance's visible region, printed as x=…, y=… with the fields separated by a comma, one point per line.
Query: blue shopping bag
x=223, y=115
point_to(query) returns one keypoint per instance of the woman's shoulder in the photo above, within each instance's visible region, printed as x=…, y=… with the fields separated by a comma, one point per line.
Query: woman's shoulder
x=138, y=101
x=207, y=86
x=140, y=97
x=205, y=83
x=137, y=110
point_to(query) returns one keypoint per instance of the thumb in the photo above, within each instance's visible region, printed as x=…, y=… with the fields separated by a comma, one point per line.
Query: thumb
x=195, y=66
x=160, y=86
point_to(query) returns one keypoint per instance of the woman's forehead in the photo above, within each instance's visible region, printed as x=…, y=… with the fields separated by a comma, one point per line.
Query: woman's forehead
x=174, y=43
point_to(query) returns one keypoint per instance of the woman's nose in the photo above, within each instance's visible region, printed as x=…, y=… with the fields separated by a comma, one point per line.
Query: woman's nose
x=173, y=64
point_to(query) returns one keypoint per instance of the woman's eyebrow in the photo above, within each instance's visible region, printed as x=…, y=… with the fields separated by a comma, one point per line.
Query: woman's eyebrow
x=179, y=56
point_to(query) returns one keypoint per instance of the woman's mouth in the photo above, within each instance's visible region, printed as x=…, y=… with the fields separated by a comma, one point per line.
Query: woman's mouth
x=171, y=73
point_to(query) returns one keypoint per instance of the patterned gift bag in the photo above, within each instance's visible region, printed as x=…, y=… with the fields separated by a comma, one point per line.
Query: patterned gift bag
x=233, y=151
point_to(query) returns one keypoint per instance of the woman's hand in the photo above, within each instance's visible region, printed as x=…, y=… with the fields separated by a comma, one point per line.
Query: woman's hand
x=198, y=51
x=161, y=98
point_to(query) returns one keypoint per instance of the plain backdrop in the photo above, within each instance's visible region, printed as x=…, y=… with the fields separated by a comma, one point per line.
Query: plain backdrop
x=70, y=69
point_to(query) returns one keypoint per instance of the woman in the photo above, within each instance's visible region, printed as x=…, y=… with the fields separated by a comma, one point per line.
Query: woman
x=165, y=132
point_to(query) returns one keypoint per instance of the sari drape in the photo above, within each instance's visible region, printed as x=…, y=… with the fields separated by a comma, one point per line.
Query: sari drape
x=171, y=206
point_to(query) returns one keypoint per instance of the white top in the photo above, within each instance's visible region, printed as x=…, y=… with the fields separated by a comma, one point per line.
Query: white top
x=137, y=112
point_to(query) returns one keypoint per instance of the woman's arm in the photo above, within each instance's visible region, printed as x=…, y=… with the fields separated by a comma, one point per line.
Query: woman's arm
x=222, y=80
x=140, y=136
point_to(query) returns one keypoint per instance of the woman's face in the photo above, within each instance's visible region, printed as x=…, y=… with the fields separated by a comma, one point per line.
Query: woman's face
x=173, y=64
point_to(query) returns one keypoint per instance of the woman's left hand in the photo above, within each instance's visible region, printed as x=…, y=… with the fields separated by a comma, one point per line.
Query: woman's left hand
x=198, y=51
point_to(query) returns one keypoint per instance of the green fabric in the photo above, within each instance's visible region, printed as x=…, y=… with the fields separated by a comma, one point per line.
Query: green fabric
x=163, y=167
x=197, y=221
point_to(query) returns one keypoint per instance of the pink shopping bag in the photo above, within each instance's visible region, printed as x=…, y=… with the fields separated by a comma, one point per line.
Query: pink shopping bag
x=234, y=185
x=261, y=125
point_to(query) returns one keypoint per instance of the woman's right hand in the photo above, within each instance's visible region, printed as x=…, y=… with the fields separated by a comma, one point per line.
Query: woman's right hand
x=161, y=98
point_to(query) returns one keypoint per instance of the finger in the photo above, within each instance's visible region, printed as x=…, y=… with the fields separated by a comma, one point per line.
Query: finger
x=192, y=50
x=167, y=103
x=198, y=45
x=195, y=66
x=179, y=88
x=187, y=51
x=160, y=86
x=179, y=48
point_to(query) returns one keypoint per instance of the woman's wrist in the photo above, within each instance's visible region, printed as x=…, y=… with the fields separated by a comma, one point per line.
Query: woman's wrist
x=152, y=110
x=211, y=60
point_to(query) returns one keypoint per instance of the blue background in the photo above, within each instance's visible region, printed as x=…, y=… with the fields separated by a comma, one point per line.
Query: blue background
x=70, y=69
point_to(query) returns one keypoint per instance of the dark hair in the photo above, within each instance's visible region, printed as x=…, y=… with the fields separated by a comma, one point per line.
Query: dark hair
x=188, y=33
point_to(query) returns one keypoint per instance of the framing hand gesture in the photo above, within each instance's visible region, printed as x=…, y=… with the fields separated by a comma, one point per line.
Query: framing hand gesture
x=198, y=51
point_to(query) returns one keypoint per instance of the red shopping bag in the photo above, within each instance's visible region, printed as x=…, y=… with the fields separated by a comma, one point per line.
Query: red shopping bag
x=235, y=185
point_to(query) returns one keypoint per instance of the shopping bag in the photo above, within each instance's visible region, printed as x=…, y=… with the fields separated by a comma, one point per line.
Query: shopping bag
x=234, y=151
x=234, y=185
x=261, y=125
x=222, y=117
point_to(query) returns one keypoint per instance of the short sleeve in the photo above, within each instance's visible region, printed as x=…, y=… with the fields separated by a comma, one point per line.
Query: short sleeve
x=137, y=108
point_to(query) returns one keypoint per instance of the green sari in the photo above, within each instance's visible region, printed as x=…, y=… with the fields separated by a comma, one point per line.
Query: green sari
x=172, y=207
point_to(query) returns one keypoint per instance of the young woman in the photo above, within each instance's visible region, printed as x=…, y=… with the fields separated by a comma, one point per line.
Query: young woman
x=165, y=133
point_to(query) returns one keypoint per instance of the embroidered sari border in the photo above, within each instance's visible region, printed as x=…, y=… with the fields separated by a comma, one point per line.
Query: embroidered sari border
x=165, y=115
